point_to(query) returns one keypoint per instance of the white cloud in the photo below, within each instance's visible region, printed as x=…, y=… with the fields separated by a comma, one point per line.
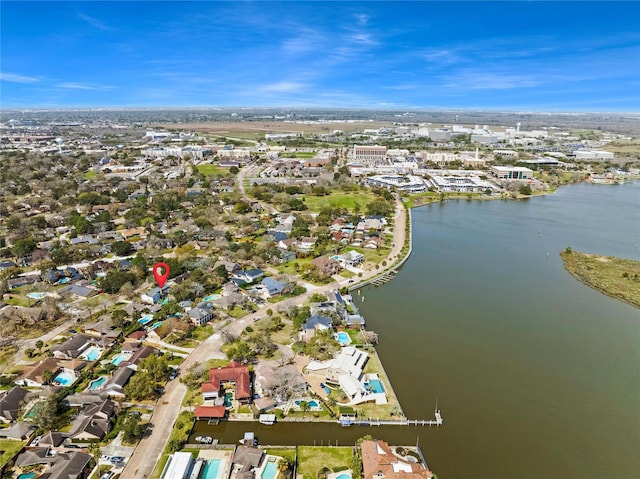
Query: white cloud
x=82, y=86
x=283, y=87
x=94, y=22
x=471, y=80
x=15, y=78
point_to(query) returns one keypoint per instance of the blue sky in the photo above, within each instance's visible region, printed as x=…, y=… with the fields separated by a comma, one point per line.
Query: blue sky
x=534, y=56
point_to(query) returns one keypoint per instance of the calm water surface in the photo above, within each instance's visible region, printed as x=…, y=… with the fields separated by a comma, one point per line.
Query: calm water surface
x=536, y=374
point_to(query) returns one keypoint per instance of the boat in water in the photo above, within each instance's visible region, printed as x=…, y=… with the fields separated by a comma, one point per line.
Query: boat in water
x=204, y=439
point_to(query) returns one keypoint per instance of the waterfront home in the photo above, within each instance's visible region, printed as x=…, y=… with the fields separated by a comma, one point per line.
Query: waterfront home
x=246, y=459
x=350, y=361
x=327, y=266
x=379, y=461
x=233, y=374
x=314, y=323
x=207, y=413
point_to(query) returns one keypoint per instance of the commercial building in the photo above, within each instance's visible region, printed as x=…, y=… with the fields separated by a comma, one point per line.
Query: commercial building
x=369, y=153
x=511, y=172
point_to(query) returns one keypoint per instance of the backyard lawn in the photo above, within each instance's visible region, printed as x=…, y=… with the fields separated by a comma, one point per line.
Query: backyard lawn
x=9, y=448
x=313, y=459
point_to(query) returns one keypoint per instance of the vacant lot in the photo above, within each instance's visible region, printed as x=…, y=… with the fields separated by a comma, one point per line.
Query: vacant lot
x=340, y=199
x=616, y=277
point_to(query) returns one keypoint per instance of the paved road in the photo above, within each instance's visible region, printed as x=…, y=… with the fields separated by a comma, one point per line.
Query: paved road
x=147, y=454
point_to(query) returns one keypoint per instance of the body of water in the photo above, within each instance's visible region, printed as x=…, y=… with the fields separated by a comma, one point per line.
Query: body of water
x=536, y=374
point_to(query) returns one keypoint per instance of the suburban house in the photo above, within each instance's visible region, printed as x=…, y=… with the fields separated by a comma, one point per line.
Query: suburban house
x=351, y=258
x=202, y=314
x=326, y=266
x=72, y=347
x=233, y=374
x=64, y=465
x=249, y=276
x=18, y=431
x=306, y=245
x=114, y=387
x=379, y=461
x=11, y=403
x=315, y=323
x=154, y=295
x=36, y=376
x=94, y=422
x=132, y=232
x=273, y=286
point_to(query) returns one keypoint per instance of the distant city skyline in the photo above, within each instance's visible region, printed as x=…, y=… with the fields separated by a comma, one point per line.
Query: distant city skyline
x=533, y=56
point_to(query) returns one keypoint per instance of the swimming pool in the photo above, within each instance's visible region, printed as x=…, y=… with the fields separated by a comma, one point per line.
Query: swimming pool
x=97, y=383
x=145, y=319
x=212, y=297
x=375, y=386
x=343, y=338
x=36, y=295
x=211, y=469
x=270, y=470
x=344, y=476
x=157, y=325
x=119, y=358
x=91, y=354
x=29, y=475
x=64, y=379
x=227, y=399
x=312, y=404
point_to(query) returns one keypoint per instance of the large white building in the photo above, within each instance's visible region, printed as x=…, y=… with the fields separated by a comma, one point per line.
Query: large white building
x=511, y=172
x=410, y=183
x=593, y=155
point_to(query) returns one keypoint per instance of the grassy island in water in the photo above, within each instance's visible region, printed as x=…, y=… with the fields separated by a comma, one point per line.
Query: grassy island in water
x=616, y=277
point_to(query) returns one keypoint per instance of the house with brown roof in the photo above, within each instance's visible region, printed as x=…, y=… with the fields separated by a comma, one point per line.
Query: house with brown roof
x=36, y=375
x=379, y=462
x=327, y=266
x=234, y=374
x=204, y=413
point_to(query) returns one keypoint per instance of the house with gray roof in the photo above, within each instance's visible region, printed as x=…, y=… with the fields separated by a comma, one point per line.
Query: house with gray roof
x=315, y=323
x=11, y=402
x=72, y=347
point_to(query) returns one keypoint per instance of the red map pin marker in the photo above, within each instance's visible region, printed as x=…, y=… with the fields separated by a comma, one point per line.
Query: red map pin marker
x=161, y=273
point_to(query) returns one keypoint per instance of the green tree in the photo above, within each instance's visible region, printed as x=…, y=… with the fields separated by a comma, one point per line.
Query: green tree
x=132, y=427
x=23, y=247
x=121, y=248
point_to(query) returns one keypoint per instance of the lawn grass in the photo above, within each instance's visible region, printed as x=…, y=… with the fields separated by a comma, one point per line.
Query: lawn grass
x=420, y=199
x=90, y=174
x=313, y=459
x=341, y=199
x=212, y=170
x=290, y=267
x=615, y=277
x=289, y=452
x=9, y=449
x=297, y=154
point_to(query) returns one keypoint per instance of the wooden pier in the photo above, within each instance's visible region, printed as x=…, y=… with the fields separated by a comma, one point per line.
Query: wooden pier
x=438, y=421
x=385, y=278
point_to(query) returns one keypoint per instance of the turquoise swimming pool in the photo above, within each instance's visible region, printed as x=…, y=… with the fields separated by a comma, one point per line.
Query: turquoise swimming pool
x=119, y=358
x=212, y=297
x=375, y=386
x=36, y=295
x=97, y=383
x=270, y=470
x=64, y=379
x=343, y=338
x=211, y=469
x=312, y=404
x=92, y=353
x=29, y=475
x=145, y=319
x=344, y=476
x=157, y=325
